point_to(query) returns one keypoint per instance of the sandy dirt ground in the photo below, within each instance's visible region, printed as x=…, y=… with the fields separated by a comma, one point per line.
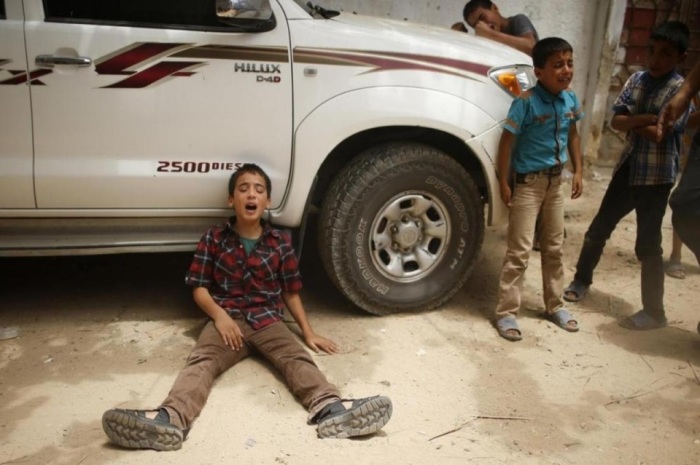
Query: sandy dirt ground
x=103, y=332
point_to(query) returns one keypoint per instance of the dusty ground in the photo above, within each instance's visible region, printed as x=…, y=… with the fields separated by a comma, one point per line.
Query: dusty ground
x=101, y=332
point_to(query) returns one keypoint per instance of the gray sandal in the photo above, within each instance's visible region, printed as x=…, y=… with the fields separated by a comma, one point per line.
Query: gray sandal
x=506, y=324
x=564, y=319
x=642, y=321
x=576, y=290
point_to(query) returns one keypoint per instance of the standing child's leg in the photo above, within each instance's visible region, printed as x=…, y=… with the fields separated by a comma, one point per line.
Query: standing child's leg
x=551, y=244
x=525, y=205
x=616, y=203
x=650, y=205
x=674, y=267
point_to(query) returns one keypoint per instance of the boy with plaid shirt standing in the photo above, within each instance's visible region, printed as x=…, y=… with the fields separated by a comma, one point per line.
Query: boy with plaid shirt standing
x=242, y=274
x=644, y=175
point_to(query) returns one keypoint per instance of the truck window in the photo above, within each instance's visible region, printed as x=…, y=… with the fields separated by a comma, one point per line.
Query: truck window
x=185, y=14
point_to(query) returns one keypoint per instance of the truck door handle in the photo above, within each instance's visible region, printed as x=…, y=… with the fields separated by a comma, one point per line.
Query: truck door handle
x=49, y=61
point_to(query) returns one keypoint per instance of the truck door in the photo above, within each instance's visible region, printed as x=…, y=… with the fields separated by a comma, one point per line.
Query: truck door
x=16, y=189
x=150, y=104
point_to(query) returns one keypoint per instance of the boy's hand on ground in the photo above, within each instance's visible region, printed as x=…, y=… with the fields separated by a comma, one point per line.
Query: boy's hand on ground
x=577, y=186
x=316, y=342
x=506, y=194
x=230, y=332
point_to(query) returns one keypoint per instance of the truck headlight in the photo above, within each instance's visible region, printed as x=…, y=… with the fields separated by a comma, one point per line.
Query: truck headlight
x=514, y=79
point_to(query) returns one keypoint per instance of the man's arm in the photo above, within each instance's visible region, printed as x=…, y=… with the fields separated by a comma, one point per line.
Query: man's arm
x=315, y=342
x=225, y=325
x=679, y=103
x=574, y=146
x=504, y=149
x=523, y=43
x=693, y=120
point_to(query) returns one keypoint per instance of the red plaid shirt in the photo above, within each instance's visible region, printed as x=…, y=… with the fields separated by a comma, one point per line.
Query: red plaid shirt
x=249, y=286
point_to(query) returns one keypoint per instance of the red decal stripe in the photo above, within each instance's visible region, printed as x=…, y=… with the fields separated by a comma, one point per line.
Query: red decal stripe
x=153, y=74
x=120, y=63
x=23, y=77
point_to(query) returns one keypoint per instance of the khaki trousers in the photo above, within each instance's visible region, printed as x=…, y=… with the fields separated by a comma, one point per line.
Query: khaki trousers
x=538, y=193
x=211, y=357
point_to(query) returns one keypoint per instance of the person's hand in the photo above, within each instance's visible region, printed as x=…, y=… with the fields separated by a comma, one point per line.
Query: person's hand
x=645, y=119
x=577, y=185
x=229, y=331
x=316, y=342
x=669, y=114
x=482, y=28
x=506, y=194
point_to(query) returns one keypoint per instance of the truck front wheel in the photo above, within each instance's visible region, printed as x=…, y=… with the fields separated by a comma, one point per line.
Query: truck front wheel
x=400, y=228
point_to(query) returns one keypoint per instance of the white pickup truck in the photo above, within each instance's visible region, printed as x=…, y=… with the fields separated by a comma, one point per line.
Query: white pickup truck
x=121, y=121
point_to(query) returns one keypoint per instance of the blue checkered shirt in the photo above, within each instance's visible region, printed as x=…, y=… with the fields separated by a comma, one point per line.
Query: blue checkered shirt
x=650, y=163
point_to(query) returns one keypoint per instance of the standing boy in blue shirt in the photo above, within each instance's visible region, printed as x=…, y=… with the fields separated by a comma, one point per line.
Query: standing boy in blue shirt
x=644, y=175
x=541, y=125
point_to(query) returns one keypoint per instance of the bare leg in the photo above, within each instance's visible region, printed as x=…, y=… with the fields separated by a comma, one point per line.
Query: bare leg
x=674, y=268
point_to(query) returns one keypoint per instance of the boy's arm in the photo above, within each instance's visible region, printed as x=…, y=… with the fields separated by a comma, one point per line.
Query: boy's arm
x=679, y=103
x=647, y=132
x=315, y=342
x=574, y=146
x=523, y=43
x=504, y=149
x=225, y=325
x=643, y=124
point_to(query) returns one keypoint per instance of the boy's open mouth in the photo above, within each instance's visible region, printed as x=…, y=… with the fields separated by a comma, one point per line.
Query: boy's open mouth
x=251, y=207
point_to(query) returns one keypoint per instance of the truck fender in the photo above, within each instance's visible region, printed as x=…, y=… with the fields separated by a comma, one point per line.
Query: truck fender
x=350, y=113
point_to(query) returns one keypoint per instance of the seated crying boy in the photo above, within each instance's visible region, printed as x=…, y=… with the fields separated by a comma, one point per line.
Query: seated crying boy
x=242, y=273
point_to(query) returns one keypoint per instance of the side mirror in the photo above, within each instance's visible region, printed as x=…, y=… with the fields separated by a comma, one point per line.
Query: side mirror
x=246, y=15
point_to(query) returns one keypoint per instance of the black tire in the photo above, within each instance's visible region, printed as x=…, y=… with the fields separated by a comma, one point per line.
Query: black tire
x=401, y=228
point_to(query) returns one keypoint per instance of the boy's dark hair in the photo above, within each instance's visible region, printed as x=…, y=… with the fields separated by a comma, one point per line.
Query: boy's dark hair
x=249, y=168
x=472, y=5
x=545, y=48
x=674, y=32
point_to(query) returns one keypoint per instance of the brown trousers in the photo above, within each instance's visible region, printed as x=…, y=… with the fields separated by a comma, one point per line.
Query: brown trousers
x=211, y=357
x=544, y=194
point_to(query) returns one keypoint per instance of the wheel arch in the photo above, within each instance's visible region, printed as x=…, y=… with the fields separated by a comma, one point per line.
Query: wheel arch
x=354, y=145
x=336, y=131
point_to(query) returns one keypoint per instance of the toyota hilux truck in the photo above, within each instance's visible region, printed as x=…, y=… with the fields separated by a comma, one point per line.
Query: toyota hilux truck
x=122, y=120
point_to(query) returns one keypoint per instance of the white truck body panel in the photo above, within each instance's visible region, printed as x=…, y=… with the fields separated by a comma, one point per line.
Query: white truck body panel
x=98, y=146
x=121, y=124
x=16, y=164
